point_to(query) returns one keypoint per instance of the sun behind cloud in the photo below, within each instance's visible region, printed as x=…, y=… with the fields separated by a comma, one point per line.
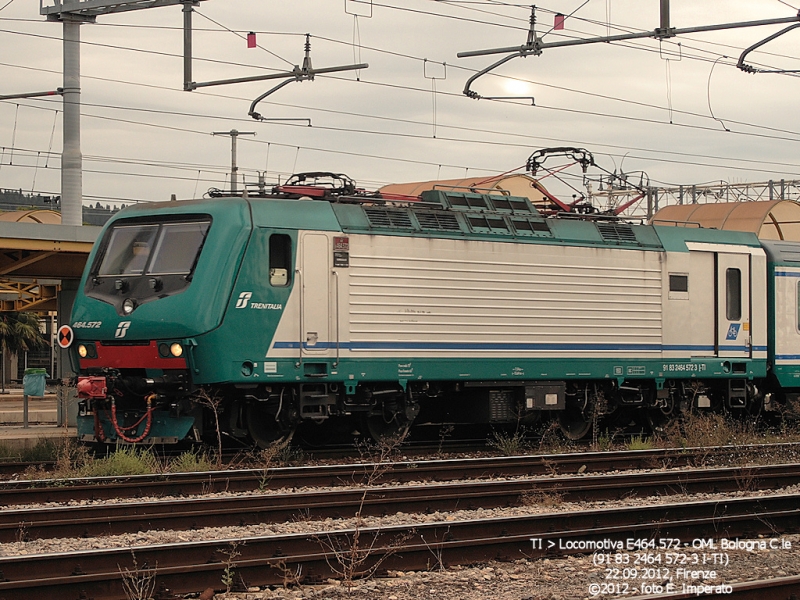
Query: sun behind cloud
x=517, y=87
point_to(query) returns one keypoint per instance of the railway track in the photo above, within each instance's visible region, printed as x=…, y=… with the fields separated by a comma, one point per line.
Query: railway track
x=178, y=484
x=779, y=588
x=194, y=513
x=9, y=468
x=313, y=557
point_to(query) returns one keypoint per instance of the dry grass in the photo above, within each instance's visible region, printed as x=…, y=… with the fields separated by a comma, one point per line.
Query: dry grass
x=509, y=443
x=542, y=499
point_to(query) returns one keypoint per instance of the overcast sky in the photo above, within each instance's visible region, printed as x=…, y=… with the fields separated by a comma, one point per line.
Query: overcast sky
x=642, y=105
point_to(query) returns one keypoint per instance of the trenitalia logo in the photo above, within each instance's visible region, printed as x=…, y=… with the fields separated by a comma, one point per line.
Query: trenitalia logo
x=122, y=329
x=244, y=298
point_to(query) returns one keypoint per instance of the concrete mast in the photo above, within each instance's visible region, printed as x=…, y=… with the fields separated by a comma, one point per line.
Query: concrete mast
x=72, y=13
x=71, y=157
x=234, y=166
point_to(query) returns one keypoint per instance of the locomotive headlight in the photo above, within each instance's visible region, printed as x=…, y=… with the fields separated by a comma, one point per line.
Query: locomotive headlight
x=176, y=349
x=128, y=305
x=83, y=351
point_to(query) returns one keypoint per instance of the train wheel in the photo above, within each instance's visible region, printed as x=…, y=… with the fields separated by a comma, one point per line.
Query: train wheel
x=573, y=424
x=391, y=417
x=575, y=420
x=381, y=428
x=660, y=415
x=264, y=430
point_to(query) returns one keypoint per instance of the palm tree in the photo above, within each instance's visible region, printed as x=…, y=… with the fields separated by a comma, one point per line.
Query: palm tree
x=19, y=332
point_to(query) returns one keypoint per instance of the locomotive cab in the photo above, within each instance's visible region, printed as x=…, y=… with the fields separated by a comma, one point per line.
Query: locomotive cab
x=145, y=298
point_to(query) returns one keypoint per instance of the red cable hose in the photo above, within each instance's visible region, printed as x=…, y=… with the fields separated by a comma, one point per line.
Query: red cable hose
x=120, y=430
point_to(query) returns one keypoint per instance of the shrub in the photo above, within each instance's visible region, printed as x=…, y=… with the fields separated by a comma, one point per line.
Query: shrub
x=126, y=460
x=639, y=442
x=509, y=444
x=192, y=461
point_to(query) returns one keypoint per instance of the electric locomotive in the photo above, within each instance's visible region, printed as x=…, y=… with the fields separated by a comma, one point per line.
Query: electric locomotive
x=249, y=316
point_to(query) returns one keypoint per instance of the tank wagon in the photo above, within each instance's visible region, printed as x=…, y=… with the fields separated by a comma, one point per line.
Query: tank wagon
x=255, y=315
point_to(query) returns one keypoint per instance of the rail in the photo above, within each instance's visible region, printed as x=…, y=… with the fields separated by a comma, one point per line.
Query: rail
x=90, y=520
x=265, y=560
x=65, y=490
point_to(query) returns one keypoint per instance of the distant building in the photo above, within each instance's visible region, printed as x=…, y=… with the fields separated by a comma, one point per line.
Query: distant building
x=11, y=200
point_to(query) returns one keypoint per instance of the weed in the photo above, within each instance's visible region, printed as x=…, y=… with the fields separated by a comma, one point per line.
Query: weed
x=193, y=461
x=747, y=481
x=599, y=411
x=639, y=442
x=138, y=583
x=288, y=456
x=126, y=460
x=45, y=449
x=277, y=454
x=8, y=453
x=22, y=532
x=214, y=404
x=541, y=498
x=509, y=444
x=551, y=442
x=444, y=432
x=605, y=441
x=291, y=577
x=707, y=429
x=228, y=578
x=349, y=555
x=437, y=550
x=69, y=458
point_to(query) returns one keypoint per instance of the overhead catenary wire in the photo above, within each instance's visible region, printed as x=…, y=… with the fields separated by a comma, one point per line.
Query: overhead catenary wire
x=468, y=70
x=708, y=92
x=386, y=118
x=244, y=37
x=625, y=29
x=580, y=92
x=522, y=146
x=428, y=91
x=690, y=162
x=461, y=140
x=417, y=136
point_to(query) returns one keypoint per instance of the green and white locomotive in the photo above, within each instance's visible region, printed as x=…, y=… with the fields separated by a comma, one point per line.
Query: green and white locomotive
x=455, y=307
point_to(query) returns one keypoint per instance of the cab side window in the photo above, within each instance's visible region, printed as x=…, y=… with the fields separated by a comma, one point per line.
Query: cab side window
x=280, y=260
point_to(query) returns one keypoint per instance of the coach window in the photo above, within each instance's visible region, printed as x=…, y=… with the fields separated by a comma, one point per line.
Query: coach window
x=798, y=305
x=733, y=294
x=280, y=259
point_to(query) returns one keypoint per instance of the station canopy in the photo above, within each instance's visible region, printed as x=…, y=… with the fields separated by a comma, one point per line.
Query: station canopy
x=32, y=216
x=771, y=220
x=36, y=254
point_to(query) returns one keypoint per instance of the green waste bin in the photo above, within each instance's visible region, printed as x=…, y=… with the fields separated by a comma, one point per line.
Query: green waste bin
x=32, y=385
x=33, y=382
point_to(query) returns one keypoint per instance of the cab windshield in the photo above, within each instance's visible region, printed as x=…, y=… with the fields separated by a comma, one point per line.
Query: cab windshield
x=153, y=249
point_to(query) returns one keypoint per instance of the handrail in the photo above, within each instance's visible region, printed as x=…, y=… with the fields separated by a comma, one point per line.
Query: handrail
x=336, y=316
x=299, y=281
x=676, y=222
x=471, y=188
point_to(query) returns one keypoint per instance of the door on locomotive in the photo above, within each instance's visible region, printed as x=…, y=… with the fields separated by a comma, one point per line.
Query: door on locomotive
x=315, y=295
x=733, y=306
